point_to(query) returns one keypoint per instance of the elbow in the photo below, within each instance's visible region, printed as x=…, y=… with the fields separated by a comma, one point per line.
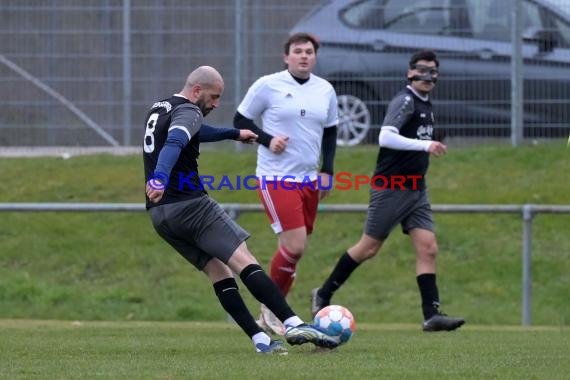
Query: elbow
x=382, y=139
x=387, y=137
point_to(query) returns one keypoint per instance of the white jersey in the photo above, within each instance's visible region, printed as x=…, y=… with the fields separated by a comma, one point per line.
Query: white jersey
x=291, y=109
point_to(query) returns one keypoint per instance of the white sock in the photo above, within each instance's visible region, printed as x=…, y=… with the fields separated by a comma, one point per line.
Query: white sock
x=293, y=321
x=261, y=337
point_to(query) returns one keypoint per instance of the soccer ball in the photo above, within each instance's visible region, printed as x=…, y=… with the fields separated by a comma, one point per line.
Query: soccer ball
x=336, y=320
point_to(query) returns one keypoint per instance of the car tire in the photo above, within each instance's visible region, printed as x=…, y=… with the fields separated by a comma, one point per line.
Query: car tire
x=354, y=114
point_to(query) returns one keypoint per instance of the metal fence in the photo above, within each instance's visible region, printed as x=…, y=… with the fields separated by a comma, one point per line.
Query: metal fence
x=526, y=211
x=83, y=72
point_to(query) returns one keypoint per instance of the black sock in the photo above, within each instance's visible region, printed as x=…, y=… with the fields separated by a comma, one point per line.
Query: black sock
x=228, y=294
x=265, y=291
x=341, y=272
x=429, y=294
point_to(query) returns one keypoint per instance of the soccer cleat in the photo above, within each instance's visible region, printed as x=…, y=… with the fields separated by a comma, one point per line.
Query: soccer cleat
x=310, y=334
x=317, y=302
x=271, y=322
x=441, y=322
x=274, y=347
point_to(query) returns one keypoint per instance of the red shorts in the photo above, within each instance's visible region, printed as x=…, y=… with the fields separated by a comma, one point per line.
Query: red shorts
x=289, y=205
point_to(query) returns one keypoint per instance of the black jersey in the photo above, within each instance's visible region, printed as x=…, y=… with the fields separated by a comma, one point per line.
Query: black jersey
x=174, y=112
x=413, y=117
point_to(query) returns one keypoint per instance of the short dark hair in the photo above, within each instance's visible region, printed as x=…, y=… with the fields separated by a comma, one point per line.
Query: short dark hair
x=423, y=55
x=301, y=38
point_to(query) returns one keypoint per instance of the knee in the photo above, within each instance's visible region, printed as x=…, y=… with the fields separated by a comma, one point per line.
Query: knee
x=241, y=258
x=295, y=248
x=428, y=251
x=365, y=250
x=369, y=252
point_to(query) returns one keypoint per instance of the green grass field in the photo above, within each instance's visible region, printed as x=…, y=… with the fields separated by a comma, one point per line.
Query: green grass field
x=113, y=273
x=206, y=350
x=113, y=266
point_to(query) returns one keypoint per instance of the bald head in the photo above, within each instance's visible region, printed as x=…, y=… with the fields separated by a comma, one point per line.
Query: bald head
x=205, y=76
x=204, y=87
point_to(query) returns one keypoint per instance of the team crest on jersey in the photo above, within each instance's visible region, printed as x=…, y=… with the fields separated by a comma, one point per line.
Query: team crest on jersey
x=425, y=132
x=303, y=112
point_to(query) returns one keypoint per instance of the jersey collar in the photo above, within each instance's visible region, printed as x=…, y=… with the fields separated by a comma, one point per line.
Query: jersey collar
x=424, y=98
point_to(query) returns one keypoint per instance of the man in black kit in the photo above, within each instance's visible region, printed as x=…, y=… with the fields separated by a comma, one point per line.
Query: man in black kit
x=195, y=225
x=406, y=141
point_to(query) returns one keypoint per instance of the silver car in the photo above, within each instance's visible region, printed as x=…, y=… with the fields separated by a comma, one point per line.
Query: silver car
x=365, y=46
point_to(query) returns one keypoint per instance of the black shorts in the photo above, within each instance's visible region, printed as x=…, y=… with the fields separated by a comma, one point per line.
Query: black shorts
x=387, y=208
x=199, y=229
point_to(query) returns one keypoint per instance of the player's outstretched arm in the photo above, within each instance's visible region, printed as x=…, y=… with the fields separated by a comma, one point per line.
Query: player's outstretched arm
x=209, y=133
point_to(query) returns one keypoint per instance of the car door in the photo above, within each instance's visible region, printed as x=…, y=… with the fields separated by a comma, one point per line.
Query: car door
x=406, y=26
x=547, y=83
x=545, y=59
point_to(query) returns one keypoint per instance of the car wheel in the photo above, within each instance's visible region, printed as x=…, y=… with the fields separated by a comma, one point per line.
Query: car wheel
x=354, y=120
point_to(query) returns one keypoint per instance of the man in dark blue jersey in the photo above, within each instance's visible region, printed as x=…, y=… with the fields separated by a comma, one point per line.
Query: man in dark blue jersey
x=195, y=225
x=399, y=195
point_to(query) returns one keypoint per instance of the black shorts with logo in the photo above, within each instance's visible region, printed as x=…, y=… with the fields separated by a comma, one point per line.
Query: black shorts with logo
x=387, y=208
x=199, y=229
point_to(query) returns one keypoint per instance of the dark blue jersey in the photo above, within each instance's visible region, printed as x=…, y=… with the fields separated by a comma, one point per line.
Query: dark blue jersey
x=173, y=114
x=413, y=117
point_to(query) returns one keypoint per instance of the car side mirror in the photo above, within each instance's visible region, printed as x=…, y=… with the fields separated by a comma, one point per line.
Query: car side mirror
x=545, y=39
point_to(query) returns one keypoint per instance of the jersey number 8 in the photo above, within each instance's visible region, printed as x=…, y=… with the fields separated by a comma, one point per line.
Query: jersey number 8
x=149, y=133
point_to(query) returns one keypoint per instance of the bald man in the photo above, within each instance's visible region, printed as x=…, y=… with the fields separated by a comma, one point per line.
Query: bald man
x=185, y=216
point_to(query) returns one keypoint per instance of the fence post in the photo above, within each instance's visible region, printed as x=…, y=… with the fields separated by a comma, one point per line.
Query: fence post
x=238, y=59
x=517, y=120
x=527, y=215
x=127, y=74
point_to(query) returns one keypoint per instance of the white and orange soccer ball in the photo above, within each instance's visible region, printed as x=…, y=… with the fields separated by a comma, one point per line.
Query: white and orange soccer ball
x=336, y=320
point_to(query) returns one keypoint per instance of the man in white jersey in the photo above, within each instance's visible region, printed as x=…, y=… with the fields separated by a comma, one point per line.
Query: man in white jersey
x=299, y=115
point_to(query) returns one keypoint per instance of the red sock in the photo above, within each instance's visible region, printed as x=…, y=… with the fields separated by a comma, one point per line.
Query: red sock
x=283, y=269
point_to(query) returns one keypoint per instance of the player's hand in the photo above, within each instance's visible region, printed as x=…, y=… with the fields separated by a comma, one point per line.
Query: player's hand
x=278, y=144
x=437, y=149
x=154, y=192
x=246, y=136
x=325, y=185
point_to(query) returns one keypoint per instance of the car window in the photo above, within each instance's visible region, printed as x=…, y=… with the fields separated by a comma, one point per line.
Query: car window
x=404, y=16
x=365, y=14
x=558, y=29
x=563, y=30
x=531, y=16
x=490, y=19
x=417, y=16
